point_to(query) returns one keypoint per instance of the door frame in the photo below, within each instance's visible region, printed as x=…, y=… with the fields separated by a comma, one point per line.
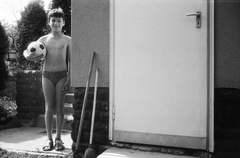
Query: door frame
x=210, y=49
x=210, y=109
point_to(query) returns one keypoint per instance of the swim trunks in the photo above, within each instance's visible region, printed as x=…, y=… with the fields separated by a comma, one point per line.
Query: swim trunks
x=54, y=76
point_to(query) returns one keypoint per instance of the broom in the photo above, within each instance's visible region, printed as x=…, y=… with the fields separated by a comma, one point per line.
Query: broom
x=84, y=104
x=90, y=152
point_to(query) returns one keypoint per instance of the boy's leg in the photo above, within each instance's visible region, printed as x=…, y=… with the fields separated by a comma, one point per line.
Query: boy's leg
x=60, y=99
x=49, y=95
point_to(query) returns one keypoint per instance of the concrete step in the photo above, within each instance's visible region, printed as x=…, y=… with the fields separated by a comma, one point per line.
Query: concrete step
x=27, y=142
x=68, y=108
x=69, y=98
x=130, y=153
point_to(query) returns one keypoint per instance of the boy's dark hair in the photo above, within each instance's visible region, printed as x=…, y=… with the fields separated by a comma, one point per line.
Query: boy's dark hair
x=56, y=12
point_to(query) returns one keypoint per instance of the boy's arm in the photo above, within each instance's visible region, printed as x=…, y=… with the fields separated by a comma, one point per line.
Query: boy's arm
x=42, y=39
x=69, y=53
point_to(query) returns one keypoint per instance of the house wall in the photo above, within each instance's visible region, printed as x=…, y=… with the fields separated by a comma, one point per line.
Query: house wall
x=227, y=44
x=90, y=33
x=227, y=64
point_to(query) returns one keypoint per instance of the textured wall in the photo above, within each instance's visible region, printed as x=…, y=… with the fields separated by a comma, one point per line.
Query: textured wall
x=227, y=44
x=30, y=99
x=100, y=134
x=90, y=32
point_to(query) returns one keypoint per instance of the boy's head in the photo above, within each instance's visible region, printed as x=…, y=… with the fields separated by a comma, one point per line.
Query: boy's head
x=57, y=13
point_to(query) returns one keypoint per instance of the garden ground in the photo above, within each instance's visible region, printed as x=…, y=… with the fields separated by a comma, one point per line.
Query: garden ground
x=30, y=140
x=27, y=142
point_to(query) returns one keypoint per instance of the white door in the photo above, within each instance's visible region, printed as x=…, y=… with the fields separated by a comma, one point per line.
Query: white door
x=160, y=73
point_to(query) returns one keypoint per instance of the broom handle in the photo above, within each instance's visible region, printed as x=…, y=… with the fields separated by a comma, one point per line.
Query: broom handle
x=84, y=103
x=94, y=106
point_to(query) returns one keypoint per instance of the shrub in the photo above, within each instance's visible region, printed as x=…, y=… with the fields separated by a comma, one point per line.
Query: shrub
x=31, y=26
x=8, y=110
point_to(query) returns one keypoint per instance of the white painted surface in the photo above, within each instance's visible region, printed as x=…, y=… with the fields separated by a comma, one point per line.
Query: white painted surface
x=160, y=67
x=129, y=153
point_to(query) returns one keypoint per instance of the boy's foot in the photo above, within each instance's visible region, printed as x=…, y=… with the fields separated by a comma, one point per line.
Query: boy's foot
x=49, y=145
x=59, y=145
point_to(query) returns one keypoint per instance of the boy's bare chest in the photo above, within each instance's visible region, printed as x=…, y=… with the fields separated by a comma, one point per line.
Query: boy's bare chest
x=53, y=45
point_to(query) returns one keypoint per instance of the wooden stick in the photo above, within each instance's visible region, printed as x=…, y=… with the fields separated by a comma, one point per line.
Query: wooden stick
x=90, y=152
x=94, y=107
x=84, y=103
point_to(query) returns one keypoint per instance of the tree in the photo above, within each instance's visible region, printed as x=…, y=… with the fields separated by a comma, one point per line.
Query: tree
x=4, y=46
x=66, y=6
x=31, y=26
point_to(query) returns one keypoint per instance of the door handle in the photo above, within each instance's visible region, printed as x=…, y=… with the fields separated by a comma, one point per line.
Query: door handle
x=198, y=18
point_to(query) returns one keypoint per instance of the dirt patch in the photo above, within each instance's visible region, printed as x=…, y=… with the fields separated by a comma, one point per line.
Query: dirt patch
x=8, y=154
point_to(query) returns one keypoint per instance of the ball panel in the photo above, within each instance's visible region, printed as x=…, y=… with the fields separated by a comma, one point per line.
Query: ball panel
x=33, y=49
x=41, y=46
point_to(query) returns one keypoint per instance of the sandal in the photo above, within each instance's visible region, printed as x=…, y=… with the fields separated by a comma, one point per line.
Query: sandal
x=59, y=145
x=49, y=145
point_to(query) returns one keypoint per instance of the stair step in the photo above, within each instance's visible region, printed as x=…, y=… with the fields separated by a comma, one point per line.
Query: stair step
x=69, y=98
x=130, y=153
x=68, y=108
x=67, y=121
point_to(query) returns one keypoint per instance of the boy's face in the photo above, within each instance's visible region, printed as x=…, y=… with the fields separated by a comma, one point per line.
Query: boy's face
x=56, y=24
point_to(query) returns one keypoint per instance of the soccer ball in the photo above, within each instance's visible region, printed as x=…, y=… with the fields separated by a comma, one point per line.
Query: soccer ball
x=35, y=49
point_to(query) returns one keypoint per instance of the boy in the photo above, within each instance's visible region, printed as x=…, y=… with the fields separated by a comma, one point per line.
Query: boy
x=55, y=76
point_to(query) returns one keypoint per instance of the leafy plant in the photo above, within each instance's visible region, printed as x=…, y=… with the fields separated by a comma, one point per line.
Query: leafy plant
x=8, y=109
